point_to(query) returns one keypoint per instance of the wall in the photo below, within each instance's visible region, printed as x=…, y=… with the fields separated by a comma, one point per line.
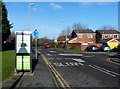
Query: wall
x=74, y=45
x=80, y=46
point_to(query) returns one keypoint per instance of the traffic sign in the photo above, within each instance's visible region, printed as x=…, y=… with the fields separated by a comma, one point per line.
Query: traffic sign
x=36, y=33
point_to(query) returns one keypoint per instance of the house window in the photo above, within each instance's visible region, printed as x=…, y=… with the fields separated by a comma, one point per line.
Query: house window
x=115, y=36
x=90, y=36
x=106, y=36
x=80, y=35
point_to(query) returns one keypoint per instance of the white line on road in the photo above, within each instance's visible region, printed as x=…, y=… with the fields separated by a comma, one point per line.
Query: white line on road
x=70, y=54
x=78, y=60
x=49, y=54
x=104, y=70
x=52, y=51
x=68, y=64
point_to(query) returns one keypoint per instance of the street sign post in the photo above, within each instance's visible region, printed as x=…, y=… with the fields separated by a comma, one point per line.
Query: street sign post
x=23, y=60
x=36, y=34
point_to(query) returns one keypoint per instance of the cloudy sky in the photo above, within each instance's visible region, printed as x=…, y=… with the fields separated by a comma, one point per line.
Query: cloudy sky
x=47, y=16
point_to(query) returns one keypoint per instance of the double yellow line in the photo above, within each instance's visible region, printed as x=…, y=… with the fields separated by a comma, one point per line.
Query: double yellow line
x=58, y=79
x=110, y=60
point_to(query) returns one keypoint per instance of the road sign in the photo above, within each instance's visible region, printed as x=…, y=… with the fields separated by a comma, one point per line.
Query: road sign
x=36, y=33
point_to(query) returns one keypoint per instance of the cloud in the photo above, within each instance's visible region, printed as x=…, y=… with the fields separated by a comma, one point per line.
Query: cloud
x=55, y=6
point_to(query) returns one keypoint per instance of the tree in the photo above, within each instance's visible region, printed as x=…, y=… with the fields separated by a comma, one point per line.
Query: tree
x=5, y=23
x=77, y=26
x=66, y=31
x=107, y=27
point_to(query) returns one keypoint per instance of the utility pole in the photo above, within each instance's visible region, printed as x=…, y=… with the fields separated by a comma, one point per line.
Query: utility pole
x=65, y=37
x=30, y=4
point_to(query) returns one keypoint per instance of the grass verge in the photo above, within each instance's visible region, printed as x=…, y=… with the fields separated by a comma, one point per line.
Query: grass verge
x=7, y=64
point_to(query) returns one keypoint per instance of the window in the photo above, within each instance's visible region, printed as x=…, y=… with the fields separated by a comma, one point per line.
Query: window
x=106, y=36
x=80, y=35
x=90, y=36
x=115, y=36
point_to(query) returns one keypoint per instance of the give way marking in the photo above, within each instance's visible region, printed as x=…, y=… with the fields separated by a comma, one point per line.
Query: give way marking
x=77, y=63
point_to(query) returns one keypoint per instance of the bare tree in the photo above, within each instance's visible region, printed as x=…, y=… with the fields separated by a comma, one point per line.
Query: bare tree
x=66, y=31
x=79, y=26
x=107, y=27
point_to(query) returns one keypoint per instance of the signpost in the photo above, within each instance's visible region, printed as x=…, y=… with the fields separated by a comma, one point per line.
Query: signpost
x=36, y=34
x=23, y=60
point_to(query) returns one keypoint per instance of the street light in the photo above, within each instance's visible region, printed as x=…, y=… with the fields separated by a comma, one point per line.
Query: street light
x=30, y=4
x=65, y=36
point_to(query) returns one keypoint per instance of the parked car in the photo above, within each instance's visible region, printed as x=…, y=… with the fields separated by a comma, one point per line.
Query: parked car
x=92, y=48
x=105, y=48
x=47, y=45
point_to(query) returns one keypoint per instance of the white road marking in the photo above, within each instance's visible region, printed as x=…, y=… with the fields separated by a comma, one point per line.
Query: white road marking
x=78, y=60
x=104, y=70
x=52, y=51
x=49, y=54
x=107, y=70
x=70, y=54
x=68, y=64
x=38, y=52
x=81, y=64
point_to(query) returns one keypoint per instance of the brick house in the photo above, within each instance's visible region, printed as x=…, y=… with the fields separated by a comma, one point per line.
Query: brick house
x=107, y=34
x=62, y=39
x=83, y=36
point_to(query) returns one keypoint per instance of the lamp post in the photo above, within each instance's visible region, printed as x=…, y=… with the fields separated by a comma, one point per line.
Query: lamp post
x=65, y=36
x=30, y=4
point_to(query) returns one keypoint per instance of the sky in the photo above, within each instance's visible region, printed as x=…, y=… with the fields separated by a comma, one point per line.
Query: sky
x=47, y=16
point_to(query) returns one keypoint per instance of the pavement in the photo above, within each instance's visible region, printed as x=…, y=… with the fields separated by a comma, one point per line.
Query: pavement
x=39, y=79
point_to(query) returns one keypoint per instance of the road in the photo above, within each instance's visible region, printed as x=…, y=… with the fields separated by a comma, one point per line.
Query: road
x=83, y=69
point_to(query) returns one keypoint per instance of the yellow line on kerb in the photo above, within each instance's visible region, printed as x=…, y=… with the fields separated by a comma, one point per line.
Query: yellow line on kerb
x=112, y=61
x=57, y=75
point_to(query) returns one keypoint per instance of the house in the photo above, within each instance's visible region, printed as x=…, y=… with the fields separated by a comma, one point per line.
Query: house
x=107, y=34
x=83, y=36
x=62, y=39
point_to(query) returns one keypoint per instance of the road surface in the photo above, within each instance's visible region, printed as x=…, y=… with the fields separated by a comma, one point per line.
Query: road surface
x=84, y=69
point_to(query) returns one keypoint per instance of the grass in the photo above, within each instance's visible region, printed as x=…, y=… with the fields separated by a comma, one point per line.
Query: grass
x=7, y=64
